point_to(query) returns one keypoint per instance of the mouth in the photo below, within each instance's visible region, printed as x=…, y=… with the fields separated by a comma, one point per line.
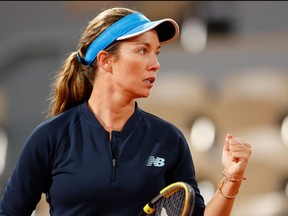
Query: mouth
x=150, y=80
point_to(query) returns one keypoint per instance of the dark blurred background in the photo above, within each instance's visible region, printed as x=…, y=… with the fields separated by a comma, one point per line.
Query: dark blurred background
x=227, y=73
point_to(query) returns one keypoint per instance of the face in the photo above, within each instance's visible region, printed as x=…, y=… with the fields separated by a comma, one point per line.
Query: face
x=134, y=71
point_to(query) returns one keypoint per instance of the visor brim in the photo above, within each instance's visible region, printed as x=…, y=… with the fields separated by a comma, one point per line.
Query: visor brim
x=167, y=29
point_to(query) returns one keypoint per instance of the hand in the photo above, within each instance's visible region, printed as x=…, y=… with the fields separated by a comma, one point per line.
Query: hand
x=236, y=153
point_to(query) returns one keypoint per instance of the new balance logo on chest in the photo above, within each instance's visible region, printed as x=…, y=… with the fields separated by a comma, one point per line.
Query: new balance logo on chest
x=155, y=161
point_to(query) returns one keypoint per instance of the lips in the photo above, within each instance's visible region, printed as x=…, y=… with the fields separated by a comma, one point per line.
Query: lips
x=150, y=80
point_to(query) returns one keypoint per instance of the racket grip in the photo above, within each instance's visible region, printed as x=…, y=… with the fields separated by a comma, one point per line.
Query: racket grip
x=142, y=213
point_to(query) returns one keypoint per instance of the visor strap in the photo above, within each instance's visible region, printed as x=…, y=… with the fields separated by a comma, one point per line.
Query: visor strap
x=116, y=30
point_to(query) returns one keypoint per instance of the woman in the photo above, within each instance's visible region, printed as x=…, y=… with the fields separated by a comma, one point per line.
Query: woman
x=101, y=154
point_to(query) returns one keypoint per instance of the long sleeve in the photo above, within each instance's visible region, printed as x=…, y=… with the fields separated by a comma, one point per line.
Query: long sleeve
x=184, y=170
x=30, y=178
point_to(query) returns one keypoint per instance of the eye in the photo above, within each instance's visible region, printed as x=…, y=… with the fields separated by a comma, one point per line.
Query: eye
x=143, y=51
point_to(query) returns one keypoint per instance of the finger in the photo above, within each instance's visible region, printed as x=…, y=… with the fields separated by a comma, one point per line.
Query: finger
x=239, y=148
x=247, y=145
x=237, y=140
x=239, y=143
x=226, y=143
x=240, y=156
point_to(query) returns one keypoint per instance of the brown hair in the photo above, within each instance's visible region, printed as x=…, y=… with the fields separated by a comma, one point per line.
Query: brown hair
x=74, y=81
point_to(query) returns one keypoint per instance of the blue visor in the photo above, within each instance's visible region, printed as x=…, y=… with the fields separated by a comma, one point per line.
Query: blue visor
x=130, y=26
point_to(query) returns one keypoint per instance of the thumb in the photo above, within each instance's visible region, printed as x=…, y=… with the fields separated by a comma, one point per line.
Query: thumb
x=226, y=146
x=229, y=136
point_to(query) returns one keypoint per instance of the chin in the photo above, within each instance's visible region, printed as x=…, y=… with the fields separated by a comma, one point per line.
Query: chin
x=146, y=95
x=143, y=95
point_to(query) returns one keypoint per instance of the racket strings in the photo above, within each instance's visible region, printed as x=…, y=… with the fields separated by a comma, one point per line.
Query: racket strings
x=171, y=206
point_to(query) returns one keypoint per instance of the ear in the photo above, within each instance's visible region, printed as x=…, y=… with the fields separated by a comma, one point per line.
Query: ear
x=104, y=60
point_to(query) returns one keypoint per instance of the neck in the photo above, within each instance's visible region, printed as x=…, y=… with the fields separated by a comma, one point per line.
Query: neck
x=110, y=115
x=110, y=107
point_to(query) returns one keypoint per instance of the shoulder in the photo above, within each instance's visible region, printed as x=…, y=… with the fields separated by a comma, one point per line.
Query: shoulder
x=162, y=128
x=157, y=122
x=59, y=125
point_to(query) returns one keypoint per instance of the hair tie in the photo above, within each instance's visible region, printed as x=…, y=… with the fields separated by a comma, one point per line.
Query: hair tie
x=81, y=60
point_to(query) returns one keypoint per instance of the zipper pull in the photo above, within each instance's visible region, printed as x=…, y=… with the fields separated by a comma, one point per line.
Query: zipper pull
x=113, y=169
x=114, y=162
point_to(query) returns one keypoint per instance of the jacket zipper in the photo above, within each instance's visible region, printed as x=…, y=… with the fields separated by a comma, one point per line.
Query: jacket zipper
x=113, y=151
x=113, y=169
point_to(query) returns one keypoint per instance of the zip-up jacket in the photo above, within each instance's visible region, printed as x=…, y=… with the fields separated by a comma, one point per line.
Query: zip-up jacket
x=71, y=159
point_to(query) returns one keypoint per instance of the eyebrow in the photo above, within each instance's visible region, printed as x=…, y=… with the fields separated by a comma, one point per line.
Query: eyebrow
x=146, y=44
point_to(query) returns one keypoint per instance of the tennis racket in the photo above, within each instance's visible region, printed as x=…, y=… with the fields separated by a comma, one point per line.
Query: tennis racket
x=177, y=199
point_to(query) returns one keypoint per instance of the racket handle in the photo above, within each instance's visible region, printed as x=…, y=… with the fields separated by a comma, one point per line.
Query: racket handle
x=142, y=213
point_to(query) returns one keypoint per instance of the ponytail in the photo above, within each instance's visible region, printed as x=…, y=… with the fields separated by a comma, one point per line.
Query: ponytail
x=72, y=85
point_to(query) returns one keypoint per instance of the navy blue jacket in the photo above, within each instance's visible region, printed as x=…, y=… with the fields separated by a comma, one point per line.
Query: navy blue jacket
x=72, y=161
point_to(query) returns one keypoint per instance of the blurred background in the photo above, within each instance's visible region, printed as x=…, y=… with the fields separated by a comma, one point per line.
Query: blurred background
x=227, y=73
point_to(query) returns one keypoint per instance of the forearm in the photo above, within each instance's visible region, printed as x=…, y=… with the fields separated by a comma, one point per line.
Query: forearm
x=222, y=202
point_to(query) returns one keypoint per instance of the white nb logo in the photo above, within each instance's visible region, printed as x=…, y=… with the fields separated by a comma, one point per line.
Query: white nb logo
x=157, y=162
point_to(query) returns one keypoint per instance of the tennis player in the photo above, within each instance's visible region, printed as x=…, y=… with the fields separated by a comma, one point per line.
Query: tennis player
x=100, y=153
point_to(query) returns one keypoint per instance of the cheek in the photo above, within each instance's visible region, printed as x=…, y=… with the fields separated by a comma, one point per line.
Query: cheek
x=132, y=66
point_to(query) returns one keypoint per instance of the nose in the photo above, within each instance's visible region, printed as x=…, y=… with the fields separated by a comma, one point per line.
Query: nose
x=155, y=65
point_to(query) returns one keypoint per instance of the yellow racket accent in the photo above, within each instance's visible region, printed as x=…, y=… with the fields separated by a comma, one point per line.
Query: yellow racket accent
x=177, y=199
x=148, y=210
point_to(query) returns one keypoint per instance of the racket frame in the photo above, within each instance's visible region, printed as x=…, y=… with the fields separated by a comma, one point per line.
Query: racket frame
x=169, y=191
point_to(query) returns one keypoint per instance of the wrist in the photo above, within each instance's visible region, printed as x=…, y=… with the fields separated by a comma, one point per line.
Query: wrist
x=225, y=194
x=232, y=178
x=229, y=185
